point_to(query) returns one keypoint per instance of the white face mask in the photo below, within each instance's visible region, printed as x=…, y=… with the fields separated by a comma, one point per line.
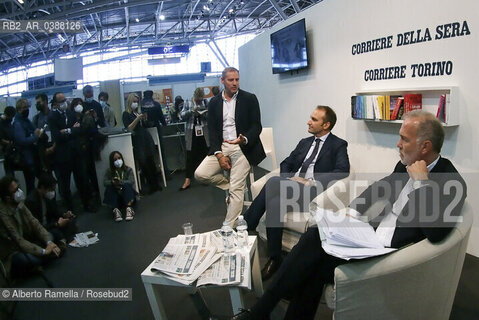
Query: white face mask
x=118, y=163
x=19, y=196
x=78, y=108
x=134, y=105
x=63, y=106
x=50, y=195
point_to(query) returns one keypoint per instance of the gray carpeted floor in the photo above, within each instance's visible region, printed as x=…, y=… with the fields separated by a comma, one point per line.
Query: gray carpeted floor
x=126, y=248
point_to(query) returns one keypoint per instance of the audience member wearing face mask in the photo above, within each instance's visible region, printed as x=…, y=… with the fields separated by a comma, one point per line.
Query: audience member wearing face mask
x=119, y=193
x=45, y=147
x=143, y=145
x=43, y=206
x=7, y=139
x=66, y=131
x=25, y=137
x=41, y=118
x=24, y=243
x=108, y=112
x=83, y=145
x=91, y=104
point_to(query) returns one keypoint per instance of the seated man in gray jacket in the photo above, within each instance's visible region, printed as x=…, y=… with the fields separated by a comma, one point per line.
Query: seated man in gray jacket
x=24, y=242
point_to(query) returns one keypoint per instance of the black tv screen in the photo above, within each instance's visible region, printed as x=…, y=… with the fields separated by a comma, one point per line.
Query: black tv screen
x=289, y=48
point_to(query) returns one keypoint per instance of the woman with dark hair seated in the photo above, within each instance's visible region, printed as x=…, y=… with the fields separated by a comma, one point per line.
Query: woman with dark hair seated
x=118, y=182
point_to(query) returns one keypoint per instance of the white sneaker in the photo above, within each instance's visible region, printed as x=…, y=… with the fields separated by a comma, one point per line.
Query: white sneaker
x=129, y=213
x=117, y=215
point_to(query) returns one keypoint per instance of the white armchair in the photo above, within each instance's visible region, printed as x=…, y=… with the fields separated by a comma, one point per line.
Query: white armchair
x=296, y=223
x=416, y=282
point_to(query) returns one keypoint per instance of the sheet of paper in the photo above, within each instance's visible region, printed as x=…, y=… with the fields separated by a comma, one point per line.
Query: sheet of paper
x=348, y=253
x=345, y=236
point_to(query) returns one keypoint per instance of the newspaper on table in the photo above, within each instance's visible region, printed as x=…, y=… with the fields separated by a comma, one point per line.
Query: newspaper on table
x=228, y=270
x=186, y=259
x=181, y=254
x=207, y=256
x=347, y=237
x=84, y=239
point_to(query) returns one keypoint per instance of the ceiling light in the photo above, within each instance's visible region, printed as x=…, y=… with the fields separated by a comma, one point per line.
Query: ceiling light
x=231, y=10
x=162, y=17
x=137, y=20
x=20, y=1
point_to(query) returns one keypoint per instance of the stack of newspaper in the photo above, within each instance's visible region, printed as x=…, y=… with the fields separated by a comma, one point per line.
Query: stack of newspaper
x=84, y=239
x=346, y=237
x=188, y=258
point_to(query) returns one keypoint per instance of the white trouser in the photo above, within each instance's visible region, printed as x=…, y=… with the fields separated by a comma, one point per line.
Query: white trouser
x=209, y=171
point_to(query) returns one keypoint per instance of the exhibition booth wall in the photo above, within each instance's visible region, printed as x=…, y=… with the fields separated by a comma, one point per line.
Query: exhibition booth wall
x=375, y=46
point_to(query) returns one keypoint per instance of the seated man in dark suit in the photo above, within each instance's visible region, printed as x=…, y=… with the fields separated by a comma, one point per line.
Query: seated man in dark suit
x=42, y=204
x=310, y=168
x=423, y=186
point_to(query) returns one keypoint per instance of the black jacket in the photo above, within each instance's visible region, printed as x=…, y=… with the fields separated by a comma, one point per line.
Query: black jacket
x=248, y=123
x=442, y=196
x=65, y=143
x=331, y=164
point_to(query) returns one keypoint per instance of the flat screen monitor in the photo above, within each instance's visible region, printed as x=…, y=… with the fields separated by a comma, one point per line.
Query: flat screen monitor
x=289, y=48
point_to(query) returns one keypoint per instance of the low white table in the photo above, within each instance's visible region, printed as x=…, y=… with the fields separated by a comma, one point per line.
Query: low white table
x=152, y=281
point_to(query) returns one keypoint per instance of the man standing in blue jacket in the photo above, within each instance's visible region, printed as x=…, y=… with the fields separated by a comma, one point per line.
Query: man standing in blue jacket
x=25, y=136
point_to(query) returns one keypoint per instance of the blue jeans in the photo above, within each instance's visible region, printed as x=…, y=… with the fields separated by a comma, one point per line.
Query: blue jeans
x=115, y=198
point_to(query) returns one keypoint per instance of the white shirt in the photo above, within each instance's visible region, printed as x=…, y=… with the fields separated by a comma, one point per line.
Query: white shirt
x=229, y=124
x=310, y=171
x=386, y=228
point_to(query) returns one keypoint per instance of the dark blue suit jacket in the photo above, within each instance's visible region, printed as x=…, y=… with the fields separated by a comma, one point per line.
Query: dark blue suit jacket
x=332, y=162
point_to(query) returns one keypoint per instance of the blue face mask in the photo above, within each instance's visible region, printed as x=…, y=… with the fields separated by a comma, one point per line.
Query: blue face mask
x=88, y=99
x=103, y=103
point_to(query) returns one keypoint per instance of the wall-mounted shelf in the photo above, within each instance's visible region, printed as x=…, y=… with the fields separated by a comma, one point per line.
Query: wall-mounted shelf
x=430, y=101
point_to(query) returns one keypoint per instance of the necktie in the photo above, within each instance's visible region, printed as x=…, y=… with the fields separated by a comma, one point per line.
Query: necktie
x=308, y=161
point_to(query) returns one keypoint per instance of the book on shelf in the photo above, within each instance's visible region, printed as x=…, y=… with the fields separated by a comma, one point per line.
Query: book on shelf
x=376, y=109
x=380, y=100
x=368, y=107
x=354, y=109
x=412, y=101
x=387, y=107
x=441, y=109
x=396, y=115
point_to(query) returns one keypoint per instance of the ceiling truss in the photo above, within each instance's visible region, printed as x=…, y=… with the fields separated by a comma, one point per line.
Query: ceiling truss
x=135, y=23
